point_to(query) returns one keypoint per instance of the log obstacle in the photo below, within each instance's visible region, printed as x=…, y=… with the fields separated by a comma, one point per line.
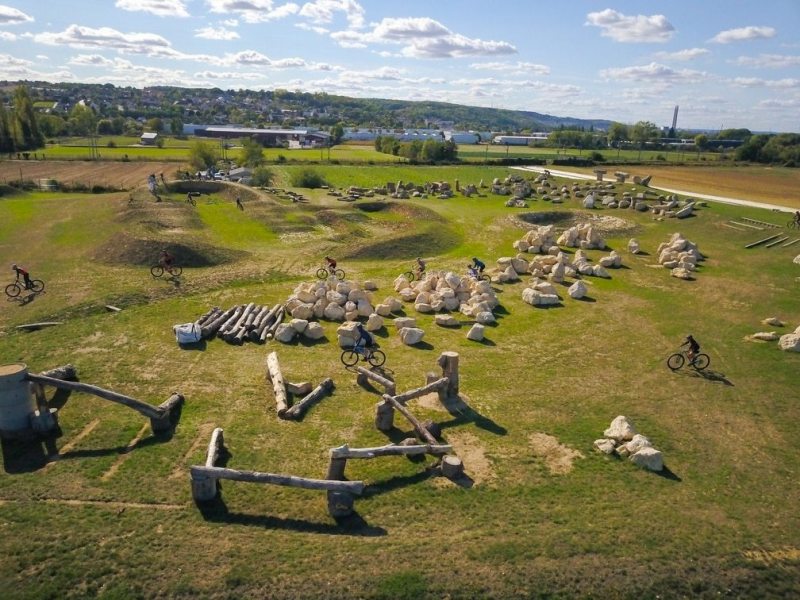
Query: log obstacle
x=759, y=242
x=365, y=375
x=280, y=387
x=422, y=432
x=205, y=481
x=240, y=323
x=299, y=408
x=339, y=456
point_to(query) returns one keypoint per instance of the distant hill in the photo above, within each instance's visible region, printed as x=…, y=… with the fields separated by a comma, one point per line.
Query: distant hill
x=263, y=107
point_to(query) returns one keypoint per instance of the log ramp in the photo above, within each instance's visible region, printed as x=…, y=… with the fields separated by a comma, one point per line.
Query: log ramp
x=282, y=388
x=243, y=322
x=62, y=378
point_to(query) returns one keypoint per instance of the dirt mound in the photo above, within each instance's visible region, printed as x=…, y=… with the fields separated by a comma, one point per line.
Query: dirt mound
x=568, y=218
x=161, y=215
x=127, y=250
x=410, y=211
x=434, y=239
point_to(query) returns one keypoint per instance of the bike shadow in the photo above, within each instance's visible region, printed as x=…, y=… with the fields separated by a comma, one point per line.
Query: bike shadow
x=707, y=374
x=23, y=300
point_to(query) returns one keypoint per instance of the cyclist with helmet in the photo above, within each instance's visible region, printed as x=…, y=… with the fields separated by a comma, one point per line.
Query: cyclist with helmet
x=478, y=265
x=25, y=275
x=694, y=347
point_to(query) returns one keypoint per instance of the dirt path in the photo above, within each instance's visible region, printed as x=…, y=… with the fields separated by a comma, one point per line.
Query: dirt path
x=120, y=175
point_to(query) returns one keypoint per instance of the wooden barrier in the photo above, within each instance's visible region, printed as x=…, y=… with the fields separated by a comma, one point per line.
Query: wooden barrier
x=418, y=427
x=340, y=455
x=276, y=377
x=365, y=374
x=296, y=411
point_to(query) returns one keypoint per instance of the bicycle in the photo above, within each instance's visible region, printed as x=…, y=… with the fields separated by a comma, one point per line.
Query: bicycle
x=15, y=289
x=325, y=272
x=478, y=276
x=698, y=361
x=158, y=270
x=190, y=199
x=374, y=357
x=414, y=274
x=793, y=224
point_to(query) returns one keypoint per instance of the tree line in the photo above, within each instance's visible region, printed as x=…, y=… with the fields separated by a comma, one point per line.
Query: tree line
x=429, y=151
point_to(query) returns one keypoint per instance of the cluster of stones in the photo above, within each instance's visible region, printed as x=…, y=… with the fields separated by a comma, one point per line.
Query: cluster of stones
x=334, y=301
x=582, y=236
x=400, y=190
x=671, y=207
x=609, y=199
x=621, y=439
x=446, y=291
x=789, y=342
x=680, y=255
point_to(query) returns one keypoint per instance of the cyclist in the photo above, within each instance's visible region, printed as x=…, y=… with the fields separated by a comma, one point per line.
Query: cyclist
x=364, y=340
x=25, y=275
x=239, y=204
x=420, y=266
x=330, y=263
x=478, y=265
x=797, y=218
x=694, y=347
x=472, y=271
x=189, y=197
x=166, y=260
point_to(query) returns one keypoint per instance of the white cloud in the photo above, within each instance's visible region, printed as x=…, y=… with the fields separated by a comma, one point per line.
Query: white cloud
x=42, y=57
x=160, y=8
x=756, y=82
x=12, y=68
x=314, y=28
x=683, y=55
x=639, y=28
x=220, y=33
x=769, y=61
x=779, y=103
x=517, y=67
x=653, y=72
x=230, y=23
x=455, y=46
x=253, y=11
x=228, y=76
x=92, y=60
x=8, y=60
x=409, y=28
x=741, y=34
x=106, y=37
x=322, y=11
x=13, y=16
x=7, y=36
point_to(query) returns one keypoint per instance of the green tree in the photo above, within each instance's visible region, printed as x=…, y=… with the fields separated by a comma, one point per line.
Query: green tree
x=6, y=133
x=51, y=125
x=617, y=132
x=26, y=131
x=643, y=132
x=176, y=126
x=262, y=177
x=81, y=120
x=700, y=142
x=252, y=154
x=105, y=127
x=203, y=155
x=154, y=124
x=337, y=133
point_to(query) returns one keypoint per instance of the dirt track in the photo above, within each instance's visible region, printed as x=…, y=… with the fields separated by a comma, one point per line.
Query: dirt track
x=123, y=175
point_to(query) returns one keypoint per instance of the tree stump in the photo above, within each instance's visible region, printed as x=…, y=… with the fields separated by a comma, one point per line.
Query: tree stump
x=452, y=467
x=384, y=416
x=336, y=469
x=448, y=361
x=204, y=489
x=340, y=504
x=433, y=427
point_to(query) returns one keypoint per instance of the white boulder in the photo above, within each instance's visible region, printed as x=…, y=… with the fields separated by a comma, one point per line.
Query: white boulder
x=620, y=429
x=299, y=325
x=577, y=290
x=446, y=321
x=476, y=332
x=411, y=335
x=314, y=331
x=285, y=333
x=648, y=458
x=605, y=445
x=374, y=322
x=334, y=312
x=790, y=342
x=401, y=322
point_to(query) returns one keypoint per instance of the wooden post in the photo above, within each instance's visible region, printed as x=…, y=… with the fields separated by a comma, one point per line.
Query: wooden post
x=215, y=447
x=384, y=415
x=418, y=427
x=315, y=395
x=452, y=467
x=336, y=469
x=276, y=377
x=448, y=361
x=164, y=422
x=437, y=385
x=204, y=487
x=365, y=374
x=43, y=419
x=340, y=504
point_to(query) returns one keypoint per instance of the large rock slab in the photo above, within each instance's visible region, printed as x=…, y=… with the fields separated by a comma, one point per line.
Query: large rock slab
x=314, y=331
x=648, y=458
x=401, y=322
x=446, y=321
x=476, y=333
x=411, y=335
x=285, y=333
x=621, y=429
x=789, y=342
x=577, y=290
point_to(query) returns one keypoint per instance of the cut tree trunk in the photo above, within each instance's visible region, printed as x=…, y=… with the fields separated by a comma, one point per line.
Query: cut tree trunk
x=215, y=447
x=418, y=427
x=276, y=377
x=384, y=415
x=318, y=392
x=212, y=327
x=364, y=374
x=449, y=363
x=452, y=467
x=351, y=487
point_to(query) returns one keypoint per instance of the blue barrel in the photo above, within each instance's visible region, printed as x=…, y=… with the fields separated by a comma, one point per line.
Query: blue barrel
x=17, y=403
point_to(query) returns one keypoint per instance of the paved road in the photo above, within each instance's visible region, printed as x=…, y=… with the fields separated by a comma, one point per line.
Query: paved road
x=723, y=199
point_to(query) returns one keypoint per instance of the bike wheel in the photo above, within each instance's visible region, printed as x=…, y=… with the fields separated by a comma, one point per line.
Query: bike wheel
x=792, y=224
x=409, y=275
x=339, y=274
x=377, y=358
x=675, y=361
x=157, y=271
x=701, y=361
x=37, y=285
x=349, y=358
x=322, y=273
x=483, y=277
x=176, y=271
x=13, y=290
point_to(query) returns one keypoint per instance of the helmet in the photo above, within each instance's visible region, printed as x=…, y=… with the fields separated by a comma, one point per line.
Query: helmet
x=14, y=266
x=474, y=259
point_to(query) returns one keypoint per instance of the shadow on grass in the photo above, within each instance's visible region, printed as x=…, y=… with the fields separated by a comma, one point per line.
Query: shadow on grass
x=199, y=346
x=216, y=511
x=464, y=413
x=587, y=299
x=398, y=482
x=707, y=374
x=667, y=473
x=485, y=342
x=302, y=340
x=423, y=345
x=27, y=456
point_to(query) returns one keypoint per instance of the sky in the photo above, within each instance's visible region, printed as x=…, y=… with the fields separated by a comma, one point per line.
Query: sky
x=726, y=63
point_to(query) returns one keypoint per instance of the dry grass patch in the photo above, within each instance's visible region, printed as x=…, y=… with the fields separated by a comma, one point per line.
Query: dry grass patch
x=555, y=455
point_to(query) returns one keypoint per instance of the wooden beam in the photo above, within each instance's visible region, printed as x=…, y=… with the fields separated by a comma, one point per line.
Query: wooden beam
x=351, y=487
x=276, y=377
x=768, y=239
x=344, y=452
x=434, y=386
x=215, y=447
x=42, y=325
x=776, y=242
x=389, y=386
x=315, y=395
x=421, y=431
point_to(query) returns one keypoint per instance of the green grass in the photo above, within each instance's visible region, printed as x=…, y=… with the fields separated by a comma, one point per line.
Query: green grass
x=725, y=524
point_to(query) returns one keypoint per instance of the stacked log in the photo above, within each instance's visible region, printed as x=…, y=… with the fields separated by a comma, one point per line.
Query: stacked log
x=243, y=322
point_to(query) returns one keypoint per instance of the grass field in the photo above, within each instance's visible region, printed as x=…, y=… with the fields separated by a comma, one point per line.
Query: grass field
x=113, y=517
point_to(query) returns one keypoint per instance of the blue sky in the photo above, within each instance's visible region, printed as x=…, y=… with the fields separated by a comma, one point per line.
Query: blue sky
x=727, y=63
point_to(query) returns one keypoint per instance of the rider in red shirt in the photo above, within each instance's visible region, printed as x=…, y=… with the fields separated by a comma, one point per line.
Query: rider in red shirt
x=25, y=276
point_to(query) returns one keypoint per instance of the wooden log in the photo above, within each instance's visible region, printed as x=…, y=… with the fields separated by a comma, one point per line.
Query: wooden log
x=336, y=469
x=204, y=487
x=790, y=243
x=276, y=377
x=248, y=322
x=776, y=242
x=42, y=325
x=147, y=410
x=237, y=312
x=384, y=416
x=111, y=308
x=211, y=328
x=758, y=242
x=351, y=487
x=448, y=361
x=269, y=332
x=164, y=422
x=340, y=504
x=43, y=419
x=418, y=427
x=364, y=374
x=314, y=396
x=266, y=320
x=215, y=447
x=298, y=389
x=260, y=314
x=234, y=329
x=452, y=467
x=422, y=391
x=345, y=452
x=202, y=319
x=67, y=372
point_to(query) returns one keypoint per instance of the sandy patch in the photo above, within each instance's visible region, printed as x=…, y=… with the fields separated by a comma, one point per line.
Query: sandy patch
x=469, y=449
x=767, y=557
x=556, y=456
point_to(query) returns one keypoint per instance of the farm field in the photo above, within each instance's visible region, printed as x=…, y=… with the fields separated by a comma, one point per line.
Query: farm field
x=106, y=508
x=471, y=153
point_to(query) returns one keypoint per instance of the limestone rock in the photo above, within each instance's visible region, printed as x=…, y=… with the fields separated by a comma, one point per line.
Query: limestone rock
x=334, y=312
x=401, y=322
x=446, y=321
x=637, y=443
x=605, y=445
x=773, y=321
x=764, y=336
x=285, y=333
x=485, y=317
x=620, y=429
x=369, y=285
x=347, y=334
x=314, y=331
x=476, y=332
x=577, y=290
x=796, y=260
x=303, y=311
x=411, y=335
x=790, y=342
x=374, y=322
x=681, y=273
x=648, y=458
x=383, y=310
x=299, y=325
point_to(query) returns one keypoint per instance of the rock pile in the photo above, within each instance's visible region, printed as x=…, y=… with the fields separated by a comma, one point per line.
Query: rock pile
x=329, y=299
x=621, y=439
x=446, y=291
x=680, y=255
x=539, y=240
x=582, y=236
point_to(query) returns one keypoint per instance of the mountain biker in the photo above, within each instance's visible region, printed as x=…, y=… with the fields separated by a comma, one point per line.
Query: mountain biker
x=694, y=347
x=797, y=217
x=331, y=263
x=478, y=265
x=472, y=271
x=166, y=260
x=25, y=275
x=239, y=204
x=364, y=338
x=420, y=265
